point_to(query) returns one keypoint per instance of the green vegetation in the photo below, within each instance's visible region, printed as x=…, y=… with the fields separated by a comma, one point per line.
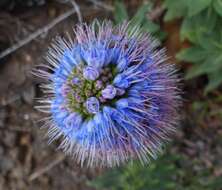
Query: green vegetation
x=201, y=30
x=140, y=18
x=169, y=172
x=202, y=27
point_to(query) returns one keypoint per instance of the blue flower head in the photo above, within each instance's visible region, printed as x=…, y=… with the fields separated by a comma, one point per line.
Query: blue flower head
x=110, y=93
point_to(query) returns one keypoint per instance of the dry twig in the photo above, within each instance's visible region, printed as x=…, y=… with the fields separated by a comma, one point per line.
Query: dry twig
x=45, y=169
x=102, y=5
x=37, y=33
x=49, y=26
x=78, y=12
x=156, y=13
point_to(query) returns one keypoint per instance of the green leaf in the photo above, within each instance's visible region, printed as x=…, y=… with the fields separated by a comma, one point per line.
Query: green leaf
x=212, y=64
x=120, y=12
x=134, y=176
x=188, y=31
x=175, y=9
x=139, y=19
x=194, y=28
x=192, y=54
x=150, y=26
x=196, y=6
x=215, y=80
x=171, y=171
x=217, y=4
x=140, y=15
x=161, y=35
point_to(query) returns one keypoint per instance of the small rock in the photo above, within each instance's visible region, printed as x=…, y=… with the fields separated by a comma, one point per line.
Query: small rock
x=2, y=117
x=28, y=94
x=6, y=165
x=1, y=151
x=9, y=139
x=2, y=182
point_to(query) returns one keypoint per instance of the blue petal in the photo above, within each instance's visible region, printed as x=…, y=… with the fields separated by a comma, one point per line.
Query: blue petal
x=121, y=81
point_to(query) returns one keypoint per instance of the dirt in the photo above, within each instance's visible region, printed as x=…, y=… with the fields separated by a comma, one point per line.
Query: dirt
x=27, y=162
x=24, y=152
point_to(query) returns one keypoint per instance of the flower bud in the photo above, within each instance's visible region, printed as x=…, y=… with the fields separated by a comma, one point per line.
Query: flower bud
x=109, y=92
x=90, y=73
x=92, y=105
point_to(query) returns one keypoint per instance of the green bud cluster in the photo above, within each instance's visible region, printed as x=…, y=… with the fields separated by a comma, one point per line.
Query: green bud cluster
x=81, y=89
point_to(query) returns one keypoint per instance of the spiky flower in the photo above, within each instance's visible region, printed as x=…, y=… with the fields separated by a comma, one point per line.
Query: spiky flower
x=110, y=94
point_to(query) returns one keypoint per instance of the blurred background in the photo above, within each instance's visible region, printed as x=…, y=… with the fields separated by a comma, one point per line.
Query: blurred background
x=191, y=30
